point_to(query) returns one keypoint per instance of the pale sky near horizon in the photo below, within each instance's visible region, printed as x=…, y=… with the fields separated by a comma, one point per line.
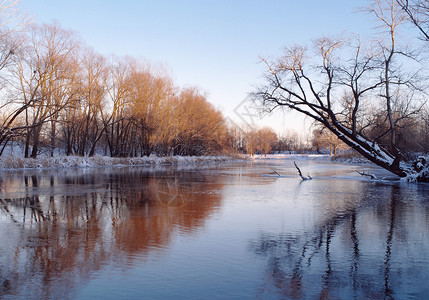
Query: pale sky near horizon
x=212, y=44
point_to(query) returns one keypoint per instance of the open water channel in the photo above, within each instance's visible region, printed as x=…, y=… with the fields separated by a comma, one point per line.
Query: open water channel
x=228, y=231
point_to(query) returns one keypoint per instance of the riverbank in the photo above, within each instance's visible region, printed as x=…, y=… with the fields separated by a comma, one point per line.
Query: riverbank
x=11, y=163
x=346, y=159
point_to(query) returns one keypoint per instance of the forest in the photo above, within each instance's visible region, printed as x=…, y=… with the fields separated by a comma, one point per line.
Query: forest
x=60, y=95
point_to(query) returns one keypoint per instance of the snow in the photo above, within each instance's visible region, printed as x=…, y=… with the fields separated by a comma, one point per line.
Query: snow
x=282, y=156
x=13, y=162
x=421, y=172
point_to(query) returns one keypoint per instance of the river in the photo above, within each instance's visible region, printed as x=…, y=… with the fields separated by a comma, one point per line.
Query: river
x=227, y=231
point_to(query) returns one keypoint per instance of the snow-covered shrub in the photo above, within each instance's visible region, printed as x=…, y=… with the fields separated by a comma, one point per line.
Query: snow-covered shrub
x=421, y=170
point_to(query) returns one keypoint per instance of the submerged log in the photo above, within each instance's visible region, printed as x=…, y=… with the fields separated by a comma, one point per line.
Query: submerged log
x=372, y=176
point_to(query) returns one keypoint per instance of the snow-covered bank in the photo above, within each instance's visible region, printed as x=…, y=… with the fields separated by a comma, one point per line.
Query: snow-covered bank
x=289, y=156
x=326, y=157
x=8, y=163
x=346, y=159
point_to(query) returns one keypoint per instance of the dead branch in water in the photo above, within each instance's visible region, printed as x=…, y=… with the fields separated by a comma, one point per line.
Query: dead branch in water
x=300, y=173
x=372, y=176
x=277, y=173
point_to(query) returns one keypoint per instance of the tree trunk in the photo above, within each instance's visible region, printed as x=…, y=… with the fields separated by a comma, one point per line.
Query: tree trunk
x=36, y=141
x=53, y=133
x=27, y=144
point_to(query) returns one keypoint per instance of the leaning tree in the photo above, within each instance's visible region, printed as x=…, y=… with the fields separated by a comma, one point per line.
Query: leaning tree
x=344, y=84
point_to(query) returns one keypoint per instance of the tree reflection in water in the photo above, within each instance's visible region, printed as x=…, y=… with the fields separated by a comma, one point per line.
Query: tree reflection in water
x=373, y=250
x=58, y=230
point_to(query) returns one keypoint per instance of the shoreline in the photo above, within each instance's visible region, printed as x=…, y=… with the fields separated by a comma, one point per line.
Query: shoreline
x=9, y=163
x=97, y=161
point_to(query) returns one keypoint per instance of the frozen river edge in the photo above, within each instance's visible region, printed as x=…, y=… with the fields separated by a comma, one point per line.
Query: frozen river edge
x=60, y=162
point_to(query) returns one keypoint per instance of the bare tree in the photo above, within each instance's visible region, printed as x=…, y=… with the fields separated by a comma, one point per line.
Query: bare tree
x=418, y=13
x=43, y=71
x=11, y=23
x=92, y=93
x=114, y=118
x=391, y=17
x=315, y=88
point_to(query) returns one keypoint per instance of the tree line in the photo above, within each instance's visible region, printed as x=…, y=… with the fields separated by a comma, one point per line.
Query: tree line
x=58, y=95
x=263, y=141
x=61, y=96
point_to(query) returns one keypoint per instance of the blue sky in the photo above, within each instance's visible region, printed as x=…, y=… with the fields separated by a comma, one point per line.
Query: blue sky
x=212, y=44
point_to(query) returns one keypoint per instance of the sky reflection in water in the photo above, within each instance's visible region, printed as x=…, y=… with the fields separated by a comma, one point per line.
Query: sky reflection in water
x=231, y=231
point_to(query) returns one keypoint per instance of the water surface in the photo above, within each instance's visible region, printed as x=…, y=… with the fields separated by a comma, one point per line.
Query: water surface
x=230, y=231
